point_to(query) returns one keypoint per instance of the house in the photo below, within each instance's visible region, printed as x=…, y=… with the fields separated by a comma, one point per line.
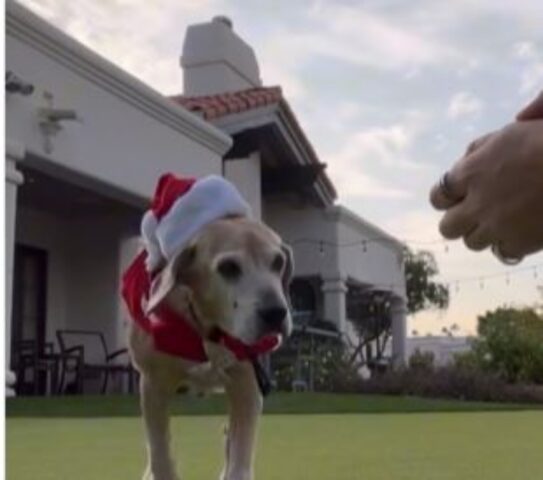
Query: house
x=85, y=143
x=444, y=348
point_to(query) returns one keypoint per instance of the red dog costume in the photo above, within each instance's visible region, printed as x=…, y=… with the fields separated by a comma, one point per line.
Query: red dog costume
x=180, y=208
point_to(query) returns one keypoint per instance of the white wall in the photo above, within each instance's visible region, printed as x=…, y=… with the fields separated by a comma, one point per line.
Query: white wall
x=380, y=264
x=43, y=230
x=129, y=134
x=84, y=257
x=245, y=173
x=296, y=224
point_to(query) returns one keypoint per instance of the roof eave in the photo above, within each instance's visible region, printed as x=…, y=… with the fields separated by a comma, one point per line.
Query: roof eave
x=280, y=115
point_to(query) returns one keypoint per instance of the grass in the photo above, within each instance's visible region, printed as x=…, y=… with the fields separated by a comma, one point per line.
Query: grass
x=379, y=439
x=277, y=403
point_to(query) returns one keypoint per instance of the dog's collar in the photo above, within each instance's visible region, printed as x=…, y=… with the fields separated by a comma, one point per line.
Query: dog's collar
x=243, y=351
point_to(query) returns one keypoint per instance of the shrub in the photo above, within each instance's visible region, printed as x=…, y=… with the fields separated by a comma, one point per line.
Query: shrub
x=510, y=344
x=423, y=361
x=451, y=382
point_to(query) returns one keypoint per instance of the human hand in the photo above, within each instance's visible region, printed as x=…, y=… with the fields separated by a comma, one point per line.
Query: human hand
x=533, y=111
x=496, y=190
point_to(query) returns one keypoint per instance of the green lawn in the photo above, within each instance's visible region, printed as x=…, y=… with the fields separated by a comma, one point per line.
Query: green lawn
x=381, y=439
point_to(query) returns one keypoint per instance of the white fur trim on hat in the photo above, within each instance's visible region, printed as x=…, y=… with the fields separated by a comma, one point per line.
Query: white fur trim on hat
x=210, y=198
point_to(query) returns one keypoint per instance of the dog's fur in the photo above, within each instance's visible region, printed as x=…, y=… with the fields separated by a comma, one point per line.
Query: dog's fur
x=231, y=274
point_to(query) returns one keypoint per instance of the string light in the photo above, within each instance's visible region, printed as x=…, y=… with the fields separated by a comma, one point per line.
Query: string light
x=480, y=279
x=449, y=283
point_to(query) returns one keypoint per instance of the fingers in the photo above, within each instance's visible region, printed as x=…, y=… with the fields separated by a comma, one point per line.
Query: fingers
x=533, y=111
x=478, y=142
x=443, y=197
x=478, y=239
x=457, y=222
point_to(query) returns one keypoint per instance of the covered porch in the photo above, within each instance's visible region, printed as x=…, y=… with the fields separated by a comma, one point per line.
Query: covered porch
x=72, y=238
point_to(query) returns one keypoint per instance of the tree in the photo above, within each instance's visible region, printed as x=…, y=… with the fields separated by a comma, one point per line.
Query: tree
x=371, y=311
x=510, y=344
x=422, y=291
x=371, y=317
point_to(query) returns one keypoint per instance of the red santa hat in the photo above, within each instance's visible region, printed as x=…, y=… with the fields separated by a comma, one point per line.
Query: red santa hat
x=180, y=208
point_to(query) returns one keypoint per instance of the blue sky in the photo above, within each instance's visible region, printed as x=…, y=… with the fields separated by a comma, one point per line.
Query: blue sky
x=390, y=93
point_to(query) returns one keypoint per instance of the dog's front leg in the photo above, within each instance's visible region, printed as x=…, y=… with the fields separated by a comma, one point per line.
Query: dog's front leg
x=155, y=397
x=245, y=402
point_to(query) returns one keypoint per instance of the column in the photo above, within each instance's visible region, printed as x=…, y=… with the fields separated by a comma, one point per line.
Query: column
x=399, y=331
x=335, y=305
x=245, y=174
x=14, y=153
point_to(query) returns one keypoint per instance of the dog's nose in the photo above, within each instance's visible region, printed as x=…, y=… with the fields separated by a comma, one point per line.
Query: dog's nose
x=273, y=317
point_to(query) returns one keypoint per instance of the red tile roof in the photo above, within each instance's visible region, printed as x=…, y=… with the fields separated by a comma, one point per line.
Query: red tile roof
x=214, y=106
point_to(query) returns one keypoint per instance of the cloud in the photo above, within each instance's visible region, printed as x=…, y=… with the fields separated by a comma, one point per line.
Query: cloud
x=360, y=37
x=464, y=104
x=531, y=71
x=142, y=40
x=387, y=149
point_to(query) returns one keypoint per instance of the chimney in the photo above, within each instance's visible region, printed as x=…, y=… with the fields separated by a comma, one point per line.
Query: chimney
x=216, y=60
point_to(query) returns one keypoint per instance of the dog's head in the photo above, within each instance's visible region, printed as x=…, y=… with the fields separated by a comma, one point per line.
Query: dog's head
x=234, y=275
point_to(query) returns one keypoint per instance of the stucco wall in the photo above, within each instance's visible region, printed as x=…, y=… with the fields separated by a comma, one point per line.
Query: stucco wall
x=379, y=263
x=118, y=142
x=296, y=226
x=245, y=173
x=42, y=230
x=83, y=270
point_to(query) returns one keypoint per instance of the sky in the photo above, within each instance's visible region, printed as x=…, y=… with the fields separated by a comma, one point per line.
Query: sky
x=389, y=92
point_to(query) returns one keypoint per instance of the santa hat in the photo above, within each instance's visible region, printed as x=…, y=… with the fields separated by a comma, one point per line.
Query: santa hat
x=180, y=208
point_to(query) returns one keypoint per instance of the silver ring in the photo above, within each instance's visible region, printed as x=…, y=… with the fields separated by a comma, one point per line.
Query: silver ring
x=496, y=250
x=444, y=186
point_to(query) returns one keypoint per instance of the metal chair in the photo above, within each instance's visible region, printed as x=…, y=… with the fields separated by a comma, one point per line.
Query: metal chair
x=41, y=362
x=84, y=354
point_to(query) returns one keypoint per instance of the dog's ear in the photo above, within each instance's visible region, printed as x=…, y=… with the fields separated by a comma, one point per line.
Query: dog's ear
x=175, y=273
x=288, y=271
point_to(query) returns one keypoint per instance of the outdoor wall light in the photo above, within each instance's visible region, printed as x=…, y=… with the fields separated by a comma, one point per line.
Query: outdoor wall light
x=50, y=120
x=14, y=84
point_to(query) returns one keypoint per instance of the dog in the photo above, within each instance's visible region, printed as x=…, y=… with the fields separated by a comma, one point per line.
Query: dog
x=232, y=276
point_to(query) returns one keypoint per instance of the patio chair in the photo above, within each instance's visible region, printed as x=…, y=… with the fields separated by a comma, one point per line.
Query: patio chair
x=40, y=362
x=85, y=355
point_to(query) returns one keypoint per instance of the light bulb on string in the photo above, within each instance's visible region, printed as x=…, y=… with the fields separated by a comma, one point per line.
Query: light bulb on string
x=364, y=246
x=321, y=248
x=446, y=248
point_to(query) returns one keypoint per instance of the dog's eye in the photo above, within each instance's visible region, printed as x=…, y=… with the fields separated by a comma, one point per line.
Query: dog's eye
x=230, y=269
x=278, y=263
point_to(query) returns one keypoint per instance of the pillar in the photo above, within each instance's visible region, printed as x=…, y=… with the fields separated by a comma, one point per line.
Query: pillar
x=335, y=304
x=399, y=331
x=14, y=153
